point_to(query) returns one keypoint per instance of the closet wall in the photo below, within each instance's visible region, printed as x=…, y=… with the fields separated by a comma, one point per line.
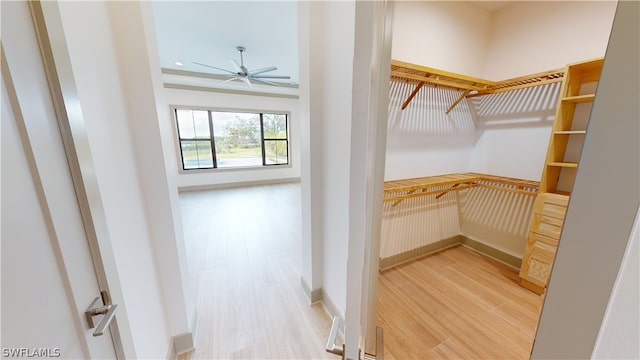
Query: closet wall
x=529, y=37
x=504, y=134
x=452, y=36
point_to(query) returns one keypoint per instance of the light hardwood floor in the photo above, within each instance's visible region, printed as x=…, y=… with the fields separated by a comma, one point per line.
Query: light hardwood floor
x=244, y=254
x=456, y=304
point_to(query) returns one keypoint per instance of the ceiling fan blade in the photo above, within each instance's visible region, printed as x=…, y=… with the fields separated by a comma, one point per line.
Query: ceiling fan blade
x=213, y=67
x=246, y=81
x=263, y=70
x=226, y=81
x=271, y=77
x=265, y=82
x=236, y=66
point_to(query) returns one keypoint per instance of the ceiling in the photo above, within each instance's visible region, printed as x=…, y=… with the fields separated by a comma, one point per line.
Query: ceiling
x=209, y=31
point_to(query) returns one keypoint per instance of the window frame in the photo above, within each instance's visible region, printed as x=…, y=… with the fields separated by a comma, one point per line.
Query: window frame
x=286, y=139
x=210, y=110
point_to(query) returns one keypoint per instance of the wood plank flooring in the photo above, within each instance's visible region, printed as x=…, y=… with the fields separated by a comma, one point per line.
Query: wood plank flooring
x=456, y=304
x=244, y=252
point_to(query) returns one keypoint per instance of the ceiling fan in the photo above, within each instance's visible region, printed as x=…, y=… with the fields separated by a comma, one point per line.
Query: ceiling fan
x=245, y=75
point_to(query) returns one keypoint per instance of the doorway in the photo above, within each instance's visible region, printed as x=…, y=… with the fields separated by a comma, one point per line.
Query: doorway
x=437, y=144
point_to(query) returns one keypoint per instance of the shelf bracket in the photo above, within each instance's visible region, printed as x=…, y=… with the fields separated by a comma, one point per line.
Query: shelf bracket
x=447, y=190
x=413, y=94
x=401, y=200
x=462, y=96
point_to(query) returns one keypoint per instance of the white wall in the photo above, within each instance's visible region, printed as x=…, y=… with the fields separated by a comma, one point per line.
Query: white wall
x=513, y=131
x=157, y=299
x=452, y=36
x=331, y=58
x=600, y=224
x=311, y=153
x=529, y=37
x=27, y=222
x=620, y=330
x=417, y=222
x=422, y=140
x=497, y=218
x=447, y=35
x=132, y=23
x=197, y=178
x=533, y=36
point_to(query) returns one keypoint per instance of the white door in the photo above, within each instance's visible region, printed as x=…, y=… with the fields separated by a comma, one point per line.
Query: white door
x=372, y=62
x=48, y=276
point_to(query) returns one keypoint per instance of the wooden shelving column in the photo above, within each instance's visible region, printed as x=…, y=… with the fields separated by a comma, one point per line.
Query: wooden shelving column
x=563, y=155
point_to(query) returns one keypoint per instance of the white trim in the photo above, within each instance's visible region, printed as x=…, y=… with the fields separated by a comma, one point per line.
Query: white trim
x=62, y=85
x=313, y=296
x=201, y=75
x=238, y=184
x=228, y=91
x=332, y=310
x=183, y=343
x=171, y=352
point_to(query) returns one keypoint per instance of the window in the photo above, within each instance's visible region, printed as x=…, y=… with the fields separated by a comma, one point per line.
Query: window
x=220, y=139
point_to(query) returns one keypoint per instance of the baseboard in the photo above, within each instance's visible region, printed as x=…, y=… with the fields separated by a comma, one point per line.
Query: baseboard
x=491, y=252
x=313, y=296
x=413, y=254
x=237, y=184
x=185, y=342
x=171, y=353
x=332, y=310
x=330, y=307
x=484, y=249
x=195, y=321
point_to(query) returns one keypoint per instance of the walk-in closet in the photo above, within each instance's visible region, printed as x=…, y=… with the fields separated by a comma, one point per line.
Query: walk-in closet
x=489, y=109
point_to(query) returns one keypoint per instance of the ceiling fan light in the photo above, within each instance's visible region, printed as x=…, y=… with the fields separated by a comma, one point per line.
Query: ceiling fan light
x=241, y=73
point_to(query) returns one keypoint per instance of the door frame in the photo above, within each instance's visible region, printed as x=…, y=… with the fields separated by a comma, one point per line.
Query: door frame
x=370, y=96
x=57, y=65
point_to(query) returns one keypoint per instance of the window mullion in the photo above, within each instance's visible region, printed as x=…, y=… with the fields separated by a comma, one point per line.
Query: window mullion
x=175, y=112
x=213, y=143
x=264, y=158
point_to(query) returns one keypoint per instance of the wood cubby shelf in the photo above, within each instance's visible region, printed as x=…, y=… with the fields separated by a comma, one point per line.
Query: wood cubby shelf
x=559, y=172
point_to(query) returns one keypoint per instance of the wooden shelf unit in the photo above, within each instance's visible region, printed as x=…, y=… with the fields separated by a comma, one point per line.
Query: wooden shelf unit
x=399, y=190
x=563, y=155
x=469, y=85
